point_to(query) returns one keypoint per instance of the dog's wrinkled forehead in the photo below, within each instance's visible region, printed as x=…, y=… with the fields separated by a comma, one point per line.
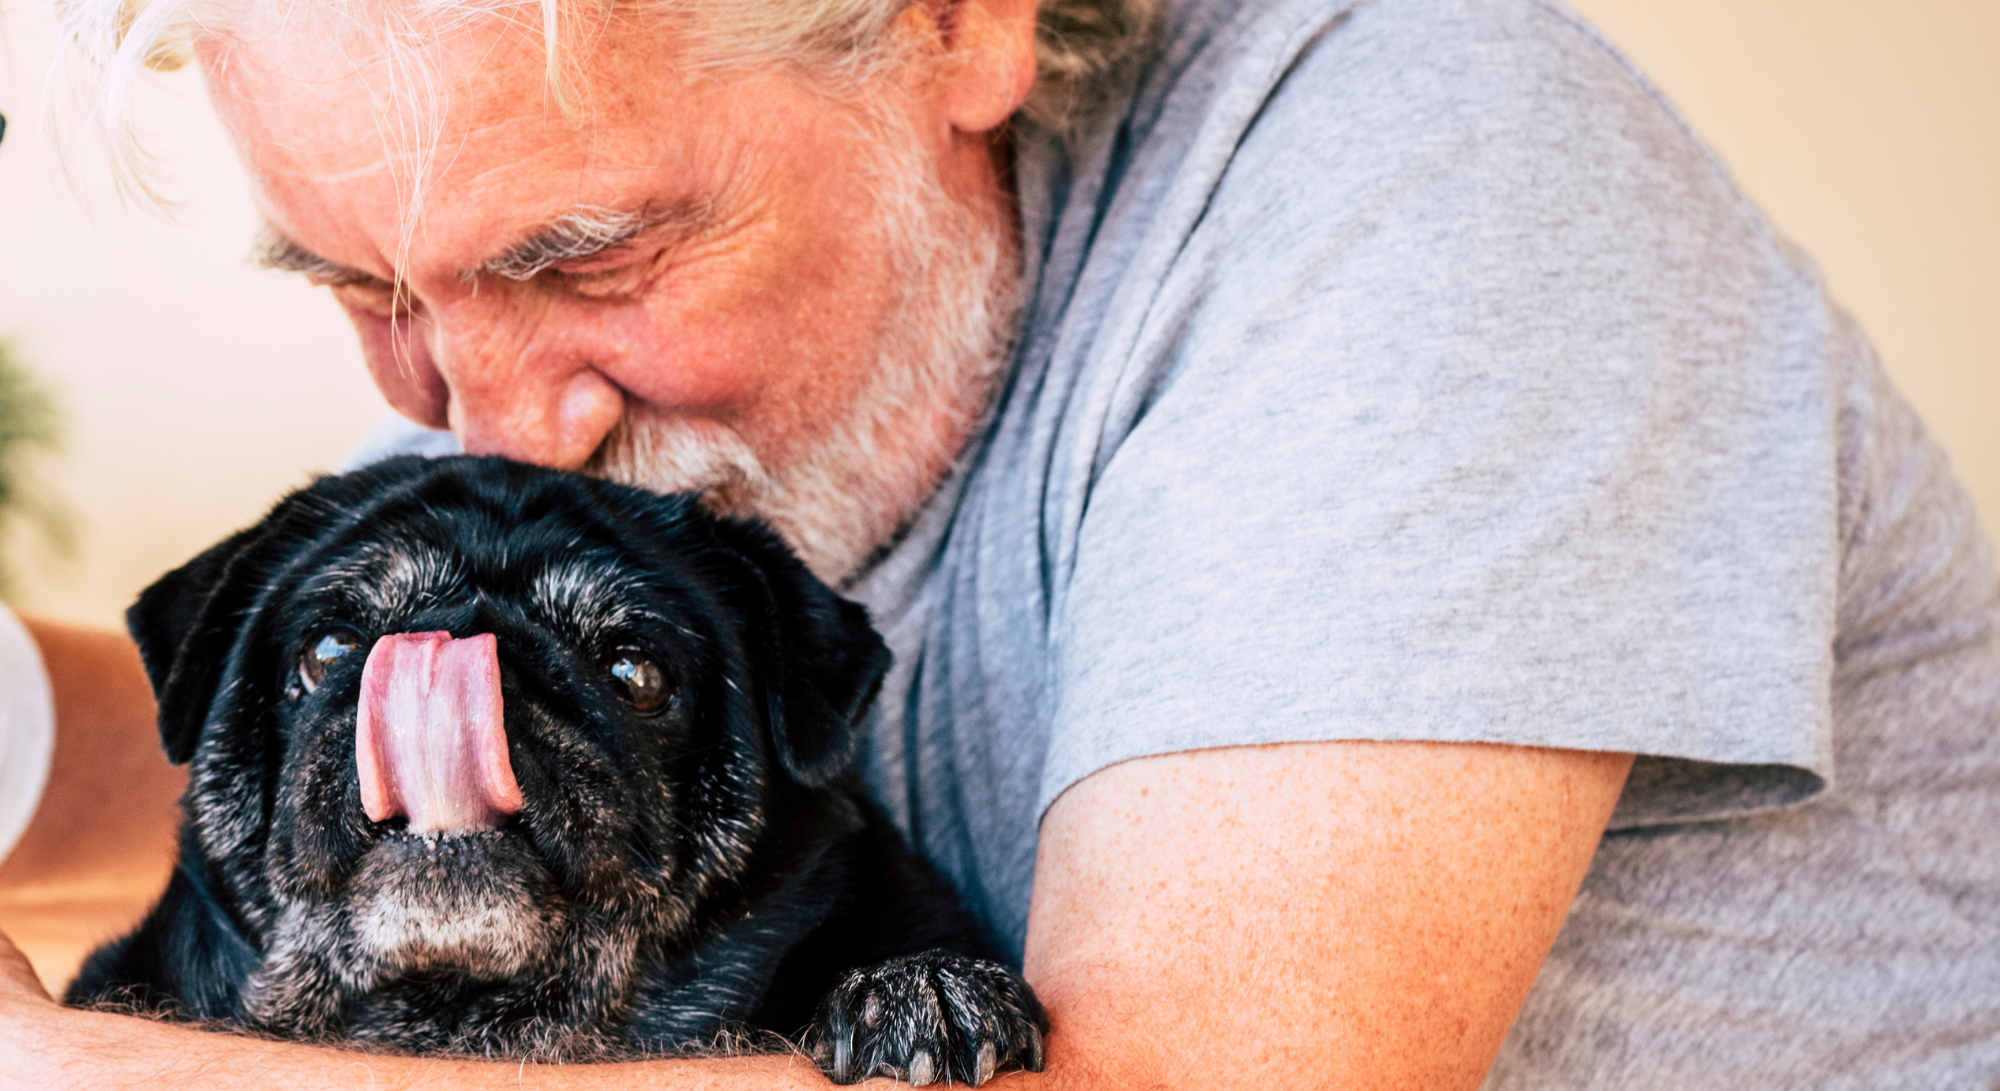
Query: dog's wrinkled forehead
x=390, y=577
x=593, y=595
x=384, y=579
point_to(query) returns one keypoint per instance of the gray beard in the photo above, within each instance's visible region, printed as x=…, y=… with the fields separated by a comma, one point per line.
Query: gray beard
x=872, y=467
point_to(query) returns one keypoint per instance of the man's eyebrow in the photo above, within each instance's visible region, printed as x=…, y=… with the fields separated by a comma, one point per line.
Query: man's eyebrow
x=586, y=232
x=274, y=251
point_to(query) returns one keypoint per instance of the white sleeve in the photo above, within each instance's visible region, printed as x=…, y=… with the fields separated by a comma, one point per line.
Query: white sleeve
x=27, y=729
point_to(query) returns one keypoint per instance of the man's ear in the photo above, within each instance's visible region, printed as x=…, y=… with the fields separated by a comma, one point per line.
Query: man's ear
x=985, y=53
x=185, y=624
x=822, y=662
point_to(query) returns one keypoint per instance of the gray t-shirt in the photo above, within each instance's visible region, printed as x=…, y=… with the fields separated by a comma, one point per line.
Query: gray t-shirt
x=1407, y=370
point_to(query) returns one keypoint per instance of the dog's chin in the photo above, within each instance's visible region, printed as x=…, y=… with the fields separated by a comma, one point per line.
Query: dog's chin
x=479, y=903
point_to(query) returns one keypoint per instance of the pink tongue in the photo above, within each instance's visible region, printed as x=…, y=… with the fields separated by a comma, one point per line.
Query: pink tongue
x=429, y=742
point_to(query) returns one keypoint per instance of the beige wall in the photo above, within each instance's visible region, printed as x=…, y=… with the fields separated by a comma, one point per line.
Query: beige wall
x=1869, y=130
x=198, y=388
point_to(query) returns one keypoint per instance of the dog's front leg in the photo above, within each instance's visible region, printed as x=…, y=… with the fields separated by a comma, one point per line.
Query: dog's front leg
x=935, y=1017
x=297, y=992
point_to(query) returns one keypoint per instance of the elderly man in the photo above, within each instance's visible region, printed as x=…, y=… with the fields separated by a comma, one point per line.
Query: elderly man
x=1298, y=451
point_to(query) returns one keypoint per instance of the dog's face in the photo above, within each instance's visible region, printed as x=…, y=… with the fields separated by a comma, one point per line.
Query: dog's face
x=654, y=697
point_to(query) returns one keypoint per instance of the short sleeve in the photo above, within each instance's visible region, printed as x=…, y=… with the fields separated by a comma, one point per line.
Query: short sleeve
x=1478, y=406
x=27, y=730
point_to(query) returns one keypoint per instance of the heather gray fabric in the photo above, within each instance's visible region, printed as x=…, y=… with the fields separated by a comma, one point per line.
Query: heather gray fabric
x=1406, y=370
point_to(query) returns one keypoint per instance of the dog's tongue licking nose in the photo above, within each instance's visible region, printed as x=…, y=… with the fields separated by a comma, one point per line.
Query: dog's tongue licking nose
x=429, y=742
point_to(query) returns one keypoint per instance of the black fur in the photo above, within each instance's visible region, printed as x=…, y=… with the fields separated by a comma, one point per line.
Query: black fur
x=672, y=879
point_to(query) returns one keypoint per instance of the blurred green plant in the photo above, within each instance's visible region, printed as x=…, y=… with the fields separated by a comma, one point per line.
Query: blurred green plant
x=30, y=429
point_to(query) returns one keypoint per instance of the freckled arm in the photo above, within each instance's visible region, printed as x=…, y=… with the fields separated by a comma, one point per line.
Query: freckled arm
x=1350, y=915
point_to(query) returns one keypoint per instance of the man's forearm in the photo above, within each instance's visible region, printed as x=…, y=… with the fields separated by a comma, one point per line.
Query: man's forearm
x=88, y=1049
x=66, y=1048
x=44, y=1045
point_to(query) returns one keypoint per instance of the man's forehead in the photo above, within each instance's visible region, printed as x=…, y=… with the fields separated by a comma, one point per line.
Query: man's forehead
x=405, y=77
x=501, y=179
x=311, y=109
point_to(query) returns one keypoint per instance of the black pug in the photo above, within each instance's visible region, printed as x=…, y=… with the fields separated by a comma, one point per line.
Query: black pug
x=499, y=761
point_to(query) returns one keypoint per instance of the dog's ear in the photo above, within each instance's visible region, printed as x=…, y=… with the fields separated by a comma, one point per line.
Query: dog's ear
x=822, y=661
x=184, y=625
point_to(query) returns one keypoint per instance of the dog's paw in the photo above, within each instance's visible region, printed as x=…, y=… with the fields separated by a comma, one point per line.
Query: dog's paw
x=936, y=1017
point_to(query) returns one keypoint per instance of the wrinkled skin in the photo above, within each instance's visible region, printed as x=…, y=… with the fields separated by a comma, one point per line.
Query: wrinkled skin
x=763, y=302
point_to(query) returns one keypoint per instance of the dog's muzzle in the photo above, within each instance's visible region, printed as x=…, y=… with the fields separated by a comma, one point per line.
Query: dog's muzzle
x=430, y=743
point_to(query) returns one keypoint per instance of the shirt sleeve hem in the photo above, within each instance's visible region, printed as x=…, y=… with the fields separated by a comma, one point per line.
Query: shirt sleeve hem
x=1664, y=788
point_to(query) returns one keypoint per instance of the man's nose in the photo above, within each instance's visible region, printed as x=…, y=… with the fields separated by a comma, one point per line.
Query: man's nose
x=531, y=399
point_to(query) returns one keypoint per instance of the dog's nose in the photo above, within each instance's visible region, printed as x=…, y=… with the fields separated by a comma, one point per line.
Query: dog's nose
x=430, y=743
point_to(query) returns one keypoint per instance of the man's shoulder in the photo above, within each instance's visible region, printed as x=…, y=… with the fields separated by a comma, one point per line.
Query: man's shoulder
x=1448, y=41
x=1395, y=70
x=1297, y=106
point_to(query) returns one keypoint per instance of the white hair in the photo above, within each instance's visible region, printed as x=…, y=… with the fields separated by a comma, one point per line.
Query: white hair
x=1078, y=43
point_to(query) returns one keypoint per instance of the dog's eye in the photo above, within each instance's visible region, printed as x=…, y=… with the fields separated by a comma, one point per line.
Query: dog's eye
x=640, y=680
x=319, y=656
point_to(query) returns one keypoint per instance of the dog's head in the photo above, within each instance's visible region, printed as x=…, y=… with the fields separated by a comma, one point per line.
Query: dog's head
x=467, y=721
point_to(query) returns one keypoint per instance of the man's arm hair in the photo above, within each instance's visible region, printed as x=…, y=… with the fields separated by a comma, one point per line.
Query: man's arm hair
x=42, y=1046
